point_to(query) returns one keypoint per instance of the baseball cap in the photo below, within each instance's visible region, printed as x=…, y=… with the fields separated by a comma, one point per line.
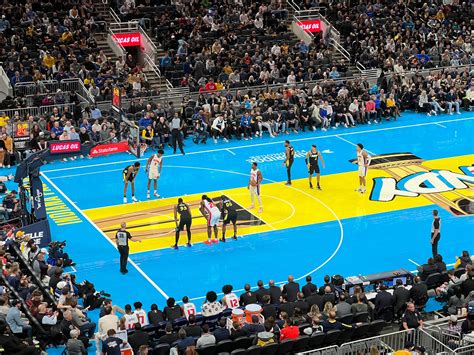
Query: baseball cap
x=61, y=285
x=44, y=251
x=453, y=318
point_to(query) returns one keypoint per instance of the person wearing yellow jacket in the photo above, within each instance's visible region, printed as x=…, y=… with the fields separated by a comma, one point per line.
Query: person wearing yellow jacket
x=8, y=150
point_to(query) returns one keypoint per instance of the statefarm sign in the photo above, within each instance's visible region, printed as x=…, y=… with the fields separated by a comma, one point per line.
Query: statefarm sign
x=310, y=25
x=128, y=39
x=111, y=148
x=64, y=147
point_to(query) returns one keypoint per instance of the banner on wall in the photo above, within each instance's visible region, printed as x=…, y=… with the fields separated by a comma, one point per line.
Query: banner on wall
x=38, y=231
x=109, y=148
x=37, y=196
x=311, y=25
x=64, y=147
x=128, y=39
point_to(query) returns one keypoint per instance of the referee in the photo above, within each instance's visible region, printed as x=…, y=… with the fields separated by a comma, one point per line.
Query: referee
x=121, y=238
x=435, y=232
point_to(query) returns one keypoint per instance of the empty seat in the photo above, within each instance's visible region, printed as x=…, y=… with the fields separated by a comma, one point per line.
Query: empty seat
x=207, y=350
x=224, y=346
x=316, y=340
x=161, y=349
x=286, y=346
x=301, y=344
x=375, y=328
x=331, y=337
x=254, y=350
x=361, y=317
x=361, y=331
x=270, y=349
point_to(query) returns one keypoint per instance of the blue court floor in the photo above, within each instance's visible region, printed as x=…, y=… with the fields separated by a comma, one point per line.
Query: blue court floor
x=349, y=246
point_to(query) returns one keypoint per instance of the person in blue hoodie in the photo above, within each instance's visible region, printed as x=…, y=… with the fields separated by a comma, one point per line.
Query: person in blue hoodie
x=246, y=125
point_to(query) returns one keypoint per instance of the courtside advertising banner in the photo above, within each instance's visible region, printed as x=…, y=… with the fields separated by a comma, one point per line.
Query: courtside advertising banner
x=38, y=197
x=64, y=147
x=110, y=148
x=38, y=231
x=310, y=25
x=128, y=39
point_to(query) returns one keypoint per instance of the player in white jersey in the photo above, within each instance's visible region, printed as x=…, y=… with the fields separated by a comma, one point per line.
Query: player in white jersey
x=363, y=161
x=212, y=213
x=254, y=186
x=230, y=299
x=153, y=168
x=130, y=318
x=141, y=314
x=188, y=307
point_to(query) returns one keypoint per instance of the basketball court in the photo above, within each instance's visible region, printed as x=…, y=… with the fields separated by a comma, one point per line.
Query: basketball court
x=419, y=163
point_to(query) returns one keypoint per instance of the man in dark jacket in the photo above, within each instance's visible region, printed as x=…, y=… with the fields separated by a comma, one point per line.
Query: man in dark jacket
x=138, y=338
x=400, y=298
x=419, y=292
x=291, y=289
x=309, y=288
x=275, y=292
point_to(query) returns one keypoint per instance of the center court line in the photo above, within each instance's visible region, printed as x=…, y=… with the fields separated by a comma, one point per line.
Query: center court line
x=268, y=143
x=230, y=151
x=439, y=124
x=103, y=234
x=355, y=145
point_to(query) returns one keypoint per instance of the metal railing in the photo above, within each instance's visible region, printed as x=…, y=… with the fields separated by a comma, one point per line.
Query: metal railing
x=387, y=343
x=77, y=85
x=5, y=82
x=37, y=111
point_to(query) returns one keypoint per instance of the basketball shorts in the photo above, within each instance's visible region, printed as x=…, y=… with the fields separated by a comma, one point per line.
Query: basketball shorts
x=313, y=168
x=230, y=217
x=362, y=170
x=255, y=190
x=153, y=174
x=213, y=218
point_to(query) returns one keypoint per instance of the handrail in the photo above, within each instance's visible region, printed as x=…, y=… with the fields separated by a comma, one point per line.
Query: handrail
x=340, y=49
x=360, y=66
x=293, y=5
x=152, y=65
x=6, y=80
x=114, y=15
x=148, y=39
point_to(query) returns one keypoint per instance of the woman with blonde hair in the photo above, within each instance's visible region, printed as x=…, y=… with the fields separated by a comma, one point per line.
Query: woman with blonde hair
x=328, y=307
x=314, y=312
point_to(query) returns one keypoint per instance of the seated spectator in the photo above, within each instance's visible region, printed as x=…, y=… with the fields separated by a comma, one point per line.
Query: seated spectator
x=268, y=309
x=11, y=344
x=285, y=306
x=237, y=331
x=253, y=328
x=211, y=306
x=361, y=305
x=184, y=341
x=427, y=269
x=106, y=322
x=172, y=311
x=192, y=329
x=456, y=301
x=467, y=286
x=112, y=344
x=221, y=332
x=16, y=324
x=289, y=331
x=170, y=337
x=79, y=320
x=206, y=338
x=332, y=324
x=439, y=263
x=419, y=292
x=138, y=338
x=383, y=301
x=463, y=260
x=342, y=307
x=74, y=346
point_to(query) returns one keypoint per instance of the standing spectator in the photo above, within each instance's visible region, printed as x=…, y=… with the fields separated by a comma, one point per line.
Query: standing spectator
x=248, y=297
x=435, y=233
x=111, y=345
x=291, y=289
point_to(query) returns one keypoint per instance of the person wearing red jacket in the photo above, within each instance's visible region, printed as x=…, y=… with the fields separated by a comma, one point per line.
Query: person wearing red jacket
x=370, y=111
x=289, y=331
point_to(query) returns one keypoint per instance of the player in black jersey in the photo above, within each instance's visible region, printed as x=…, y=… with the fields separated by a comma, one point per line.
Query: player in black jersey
x=229, y=215
x=289, y=158
x=129, y=174
x=311, y=160
x=185, y=220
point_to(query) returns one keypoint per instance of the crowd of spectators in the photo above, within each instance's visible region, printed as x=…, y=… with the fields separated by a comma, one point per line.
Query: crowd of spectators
x=329, y=104
x=289, y=311
x=410, y=35
x=54, y=40
x=216, y=45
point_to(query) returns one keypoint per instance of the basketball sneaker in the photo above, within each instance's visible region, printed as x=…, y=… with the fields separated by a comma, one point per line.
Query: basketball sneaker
x=134, y=199
x=208, y=242
x=124, y=200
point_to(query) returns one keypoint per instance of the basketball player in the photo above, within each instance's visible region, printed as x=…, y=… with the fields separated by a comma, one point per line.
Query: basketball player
x=289, y=158
x=230, y=299
x=188, y=307
x=363, y=161
x=311, y=160
x=210, y=211
x=153, y=168
x=254, y=187
x=185, y=220
x=229, y=210
x=129, y=174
